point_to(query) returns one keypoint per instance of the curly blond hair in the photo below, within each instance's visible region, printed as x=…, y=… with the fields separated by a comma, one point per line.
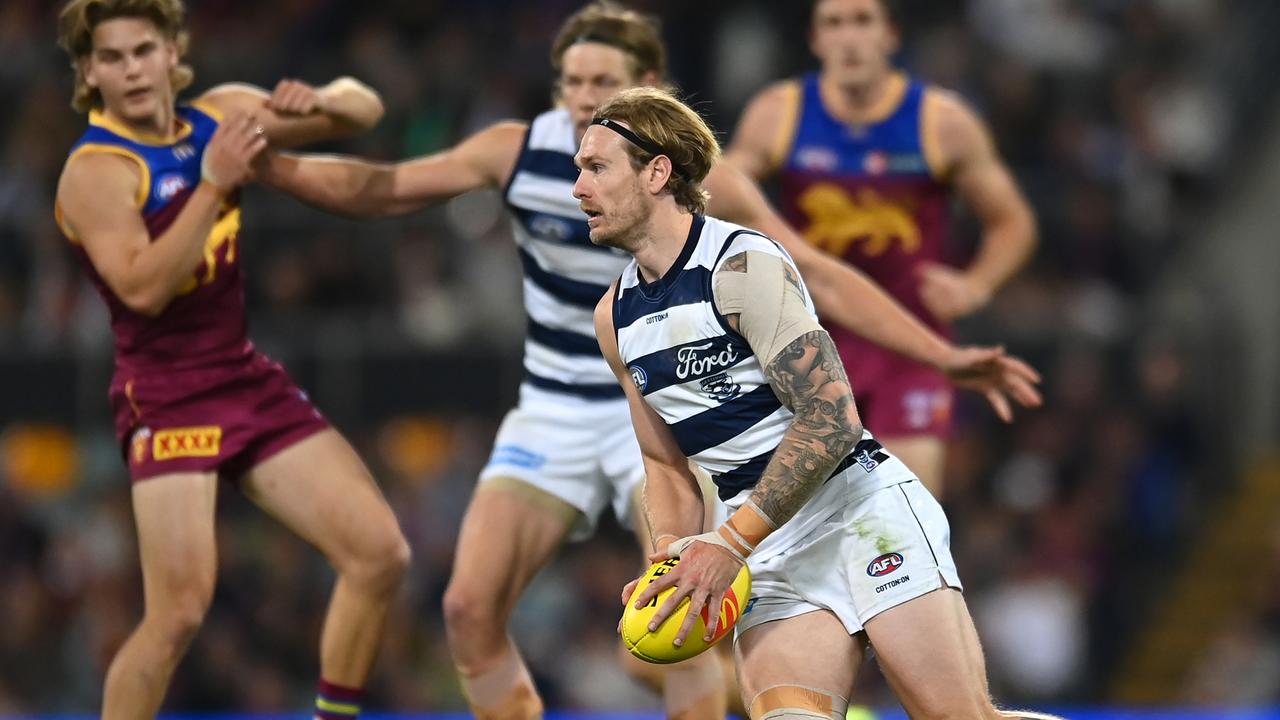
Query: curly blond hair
x=78, y=19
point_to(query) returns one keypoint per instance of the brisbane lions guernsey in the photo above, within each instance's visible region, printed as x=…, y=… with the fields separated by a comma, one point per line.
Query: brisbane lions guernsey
x=204, y=325
x=868, y=194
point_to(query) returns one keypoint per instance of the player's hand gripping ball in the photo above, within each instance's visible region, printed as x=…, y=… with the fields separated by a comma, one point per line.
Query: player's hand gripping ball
x=658, y=646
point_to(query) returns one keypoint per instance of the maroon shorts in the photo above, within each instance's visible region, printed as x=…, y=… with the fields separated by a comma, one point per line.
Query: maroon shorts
x=896, y=397
x=222, y=419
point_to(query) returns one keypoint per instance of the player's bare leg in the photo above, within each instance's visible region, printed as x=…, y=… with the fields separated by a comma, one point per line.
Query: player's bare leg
x=926, y=455
x=510, y=532
x=691, y=690
x=926, y=652
x=798, y=668
x=174, y=515
x=320, y=489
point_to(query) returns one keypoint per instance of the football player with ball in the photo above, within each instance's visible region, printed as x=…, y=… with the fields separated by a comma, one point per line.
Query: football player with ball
x=834, y=540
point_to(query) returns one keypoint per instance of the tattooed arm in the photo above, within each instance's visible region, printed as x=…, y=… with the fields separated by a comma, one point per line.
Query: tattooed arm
x=802, y=366
x=808, y=378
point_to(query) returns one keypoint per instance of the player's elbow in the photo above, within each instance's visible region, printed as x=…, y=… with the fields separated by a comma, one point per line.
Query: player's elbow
x=148, y=302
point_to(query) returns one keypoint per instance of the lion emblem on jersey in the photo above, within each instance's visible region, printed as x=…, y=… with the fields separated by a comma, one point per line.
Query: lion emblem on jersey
x=838, y=220
x=720, y=388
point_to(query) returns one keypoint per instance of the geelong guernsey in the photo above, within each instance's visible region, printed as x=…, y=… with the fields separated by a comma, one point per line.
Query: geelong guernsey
x=699, y=374
x=565, y=275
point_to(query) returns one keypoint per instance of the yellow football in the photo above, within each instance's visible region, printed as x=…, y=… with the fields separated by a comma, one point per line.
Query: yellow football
x=658, y=646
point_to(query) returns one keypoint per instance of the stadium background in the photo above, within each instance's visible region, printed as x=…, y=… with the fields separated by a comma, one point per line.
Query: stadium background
x=1120, y=546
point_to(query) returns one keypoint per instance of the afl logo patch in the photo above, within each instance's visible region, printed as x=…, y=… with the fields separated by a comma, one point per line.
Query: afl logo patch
x=875, y=163
x=169, y=185
x=639, y=377
x=884, y=564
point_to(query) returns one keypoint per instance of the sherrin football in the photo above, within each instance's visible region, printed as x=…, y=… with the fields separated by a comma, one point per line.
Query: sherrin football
x=657, y=646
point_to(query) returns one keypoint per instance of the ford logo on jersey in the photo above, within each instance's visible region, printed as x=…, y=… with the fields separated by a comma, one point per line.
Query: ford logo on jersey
x=701, y=359
x=884, y=564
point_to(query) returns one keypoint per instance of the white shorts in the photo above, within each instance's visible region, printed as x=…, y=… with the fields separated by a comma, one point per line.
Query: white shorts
x=875, y=552
x=581, y=451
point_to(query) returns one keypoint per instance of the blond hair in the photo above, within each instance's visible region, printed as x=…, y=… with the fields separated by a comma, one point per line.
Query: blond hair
x=675, y=128
x=611, y=24
x=78, y=19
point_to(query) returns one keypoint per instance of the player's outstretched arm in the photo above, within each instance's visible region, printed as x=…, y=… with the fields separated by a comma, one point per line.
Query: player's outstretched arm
x=97, y=200
x=969, y=161
x=847, y=297
x=364, y=188
x=672, y=498
x=295, y=113
x=843, y=295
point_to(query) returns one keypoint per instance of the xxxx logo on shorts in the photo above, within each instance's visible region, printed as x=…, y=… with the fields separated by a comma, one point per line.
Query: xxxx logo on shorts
x=204, y=441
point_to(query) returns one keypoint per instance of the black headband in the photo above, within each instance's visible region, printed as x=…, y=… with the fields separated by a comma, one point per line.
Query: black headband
x=641, y=143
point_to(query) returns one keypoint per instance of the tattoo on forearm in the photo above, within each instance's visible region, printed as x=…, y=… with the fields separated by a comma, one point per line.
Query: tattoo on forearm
x=809, y=378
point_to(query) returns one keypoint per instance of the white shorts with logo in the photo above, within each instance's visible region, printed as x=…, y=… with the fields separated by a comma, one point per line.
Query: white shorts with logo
x=581, y=451
x=883, y=549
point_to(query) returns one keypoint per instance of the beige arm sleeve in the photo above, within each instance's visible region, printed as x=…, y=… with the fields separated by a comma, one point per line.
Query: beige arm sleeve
x=770, y=305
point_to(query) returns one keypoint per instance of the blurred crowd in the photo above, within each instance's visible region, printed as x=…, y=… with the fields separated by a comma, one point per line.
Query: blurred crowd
x=1121, y=119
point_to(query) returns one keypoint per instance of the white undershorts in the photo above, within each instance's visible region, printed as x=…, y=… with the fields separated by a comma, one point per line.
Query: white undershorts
x=867, y=555
x=583, y=452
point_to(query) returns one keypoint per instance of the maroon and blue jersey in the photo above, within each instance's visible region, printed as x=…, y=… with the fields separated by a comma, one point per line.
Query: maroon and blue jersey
x=867, y=194
x=872, y=196
x=205, y=323
x=189, y=393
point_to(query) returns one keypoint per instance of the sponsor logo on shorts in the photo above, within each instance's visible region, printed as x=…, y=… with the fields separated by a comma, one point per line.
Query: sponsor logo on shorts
x=893, y=583
x=138, y=449
x=204, y=441
x=751, y=604
x=864, y=458
x=922, y=408
x=885, y=564
x=518, y=456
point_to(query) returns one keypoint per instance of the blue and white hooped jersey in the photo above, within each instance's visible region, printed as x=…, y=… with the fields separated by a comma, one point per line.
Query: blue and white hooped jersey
x=565, y=275
x=699, y=374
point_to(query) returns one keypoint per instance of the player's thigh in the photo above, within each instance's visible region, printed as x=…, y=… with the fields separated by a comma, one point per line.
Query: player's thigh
x=925, y=455
x=510, y=531
x=174, y=515
x=321, y=490
x=812, y=651
x=925, y=649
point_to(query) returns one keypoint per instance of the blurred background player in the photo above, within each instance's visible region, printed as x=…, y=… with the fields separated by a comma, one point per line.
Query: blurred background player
x=866, y=159
x=567, y=451
x=150, y=198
